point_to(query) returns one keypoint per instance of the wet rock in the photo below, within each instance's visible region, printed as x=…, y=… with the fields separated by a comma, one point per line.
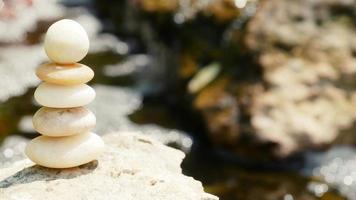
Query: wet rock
x=133, y=166
x=306, y=50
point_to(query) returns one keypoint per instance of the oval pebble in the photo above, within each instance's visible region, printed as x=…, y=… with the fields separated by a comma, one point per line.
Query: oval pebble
x=58, y=96
x=56, y=122
x=66, y=42
x=65, y=74
x=65, y=152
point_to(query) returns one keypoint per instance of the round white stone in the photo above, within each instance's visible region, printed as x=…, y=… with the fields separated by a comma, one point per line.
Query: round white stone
x=66, y=42
x=56, y=122
x=65, y=152
x=58, y=96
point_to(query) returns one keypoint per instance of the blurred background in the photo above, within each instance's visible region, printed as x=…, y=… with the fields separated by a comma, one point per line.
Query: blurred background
x=259, y=94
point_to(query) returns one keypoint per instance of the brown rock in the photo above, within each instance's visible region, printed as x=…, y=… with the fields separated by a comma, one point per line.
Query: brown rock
x=306, y=51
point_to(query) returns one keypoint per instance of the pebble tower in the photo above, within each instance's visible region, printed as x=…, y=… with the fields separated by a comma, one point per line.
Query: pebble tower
x=64, y=123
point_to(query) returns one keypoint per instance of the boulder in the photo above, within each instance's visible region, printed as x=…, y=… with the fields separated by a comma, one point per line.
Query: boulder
x=306, y=51
x=132, y=167
x=303, y=94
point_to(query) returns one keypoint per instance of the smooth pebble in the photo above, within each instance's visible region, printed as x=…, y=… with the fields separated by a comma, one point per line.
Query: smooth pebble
x=65, y=152
x=56, y=122
x=65, y=74
x=58, y=96
x=66, y=42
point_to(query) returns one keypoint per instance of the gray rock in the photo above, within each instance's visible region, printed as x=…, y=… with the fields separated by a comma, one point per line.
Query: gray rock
x=132, y=167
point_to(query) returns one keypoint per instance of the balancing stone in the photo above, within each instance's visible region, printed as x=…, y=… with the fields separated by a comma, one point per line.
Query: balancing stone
x=65, y=125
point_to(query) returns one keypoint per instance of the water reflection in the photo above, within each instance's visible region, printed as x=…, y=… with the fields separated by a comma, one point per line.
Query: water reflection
x=336, y=167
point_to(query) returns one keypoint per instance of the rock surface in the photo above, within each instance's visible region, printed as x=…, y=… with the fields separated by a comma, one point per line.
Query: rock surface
x=132, y=167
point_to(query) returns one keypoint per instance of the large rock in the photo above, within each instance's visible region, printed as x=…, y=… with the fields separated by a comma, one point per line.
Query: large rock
x=132, y=167
x=303, y=92
x=307, y=53
x=290, y=70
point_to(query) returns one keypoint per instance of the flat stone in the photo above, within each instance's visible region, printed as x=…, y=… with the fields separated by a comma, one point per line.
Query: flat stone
x=66, y=42
x=57, y=122
x=132, y=167
x=71, y=74
x=58, y=96
x=65, y=152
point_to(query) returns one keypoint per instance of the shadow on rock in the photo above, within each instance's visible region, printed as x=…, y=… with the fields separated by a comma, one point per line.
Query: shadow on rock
x=39, y=173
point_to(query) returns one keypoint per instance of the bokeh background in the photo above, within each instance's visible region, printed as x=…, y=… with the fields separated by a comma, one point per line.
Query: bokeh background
x=260, y=94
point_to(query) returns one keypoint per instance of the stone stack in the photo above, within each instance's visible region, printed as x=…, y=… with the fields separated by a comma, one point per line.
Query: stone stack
x=64, y=123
